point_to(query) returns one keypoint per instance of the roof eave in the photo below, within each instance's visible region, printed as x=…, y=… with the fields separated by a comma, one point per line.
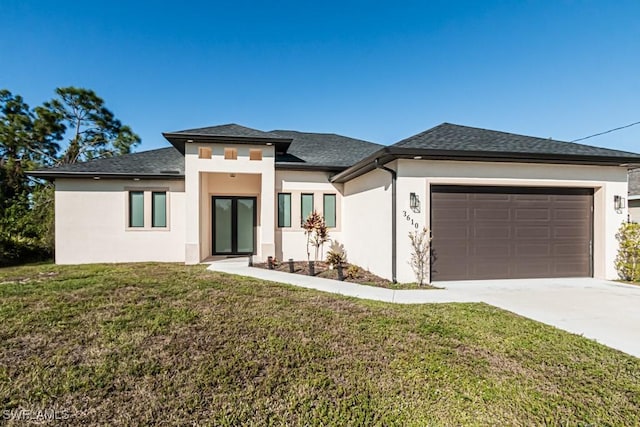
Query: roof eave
x=178, y=140
x=52, y=175
x=388, y=154
x=307, y=167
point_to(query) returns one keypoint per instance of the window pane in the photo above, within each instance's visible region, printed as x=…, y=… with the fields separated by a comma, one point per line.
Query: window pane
x=136, y=209
x=284, y=210
x=306, y=206
x=222, y=227
x=245, y=217
x=159, y=209
x=329, y=209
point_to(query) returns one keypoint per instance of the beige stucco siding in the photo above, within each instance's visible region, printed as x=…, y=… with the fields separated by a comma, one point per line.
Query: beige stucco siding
x=291, y=241
x=219, y=176
x=92, y=222
x=367, y=223
x=634, y=210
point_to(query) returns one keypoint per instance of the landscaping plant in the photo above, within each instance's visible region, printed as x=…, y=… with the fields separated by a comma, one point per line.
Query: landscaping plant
x=628, y=260
x=337, y=254
x=317, y=235
x=420, y=253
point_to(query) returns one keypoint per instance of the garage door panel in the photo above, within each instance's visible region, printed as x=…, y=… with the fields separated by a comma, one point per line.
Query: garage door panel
x=533, y=250
x=495, y=249
x=528, y=232
x=572, y=214
x=449, y=215
x=491, y=232
x=570, y=249
x=510, y=232
x=532, y=214
x=492, y=214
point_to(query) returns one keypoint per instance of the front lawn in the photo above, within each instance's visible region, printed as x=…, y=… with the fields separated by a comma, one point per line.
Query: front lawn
x=166, y=343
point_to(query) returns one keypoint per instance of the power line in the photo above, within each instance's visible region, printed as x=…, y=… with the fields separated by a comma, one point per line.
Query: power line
x=608, y=131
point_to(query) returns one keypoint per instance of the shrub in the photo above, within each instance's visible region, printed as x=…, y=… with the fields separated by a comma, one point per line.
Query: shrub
x=628, y=260
x=420, y=254
x=336, y=255
x=352, y=272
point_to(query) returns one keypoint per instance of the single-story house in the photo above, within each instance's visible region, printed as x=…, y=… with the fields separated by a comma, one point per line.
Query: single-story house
x=499, y=205
x=634, y=195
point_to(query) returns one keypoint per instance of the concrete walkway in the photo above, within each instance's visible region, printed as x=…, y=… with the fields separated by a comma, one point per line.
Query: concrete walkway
x=608, y=312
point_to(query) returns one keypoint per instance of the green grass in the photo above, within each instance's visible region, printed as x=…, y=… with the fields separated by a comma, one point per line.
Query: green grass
x=158, y=343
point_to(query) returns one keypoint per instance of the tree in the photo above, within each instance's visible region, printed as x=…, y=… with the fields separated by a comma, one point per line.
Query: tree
x=29, y=138
x=94, y=131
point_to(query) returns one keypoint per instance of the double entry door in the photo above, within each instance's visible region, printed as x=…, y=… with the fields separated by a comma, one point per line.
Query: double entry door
x=234, y=225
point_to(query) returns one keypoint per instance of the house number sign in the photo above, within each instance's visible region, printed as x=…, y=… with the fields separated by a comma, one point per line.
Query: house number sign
x=409, y=219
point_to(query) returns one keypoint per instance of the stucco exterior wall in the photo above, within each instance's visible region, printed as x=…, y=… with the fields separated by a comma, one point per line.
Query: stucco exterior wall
x=199, y=189
x=291, y=241
x=92, y=222
x=634, y=210
x=418, y=175
x=367, y=221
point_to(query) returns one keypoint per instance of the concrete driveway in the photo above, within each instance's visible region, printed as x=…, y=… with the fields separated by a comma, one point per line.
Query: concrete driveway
x=607, y=312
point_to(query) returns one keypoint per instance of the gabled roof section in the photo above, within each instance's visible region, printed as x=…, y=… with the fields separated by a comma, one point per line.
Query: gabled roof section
x=326, y=151
x=453, y=137
x=634, y=183
x=229, y=133
x=163, y=163
x=463, y=143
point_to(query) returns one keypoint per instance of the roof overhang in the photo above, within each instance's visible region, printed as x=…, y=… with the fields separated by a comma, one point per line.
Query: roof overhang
x=180, y=139
x=305, y=167
x=388, y=154
x=52, y=175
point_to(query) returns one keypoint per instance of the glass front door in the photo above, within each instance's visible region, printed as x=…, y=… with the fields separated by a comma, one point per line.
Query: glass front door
x=234, y=225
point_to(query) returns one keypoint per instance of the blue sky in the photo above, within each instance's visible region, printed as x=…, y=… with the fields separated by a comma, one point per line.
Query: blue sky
x=379, y=71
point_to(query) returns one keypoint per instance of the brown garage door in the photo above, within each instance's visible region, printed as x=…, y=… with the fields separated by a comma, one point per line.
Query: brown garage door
x=510, y=232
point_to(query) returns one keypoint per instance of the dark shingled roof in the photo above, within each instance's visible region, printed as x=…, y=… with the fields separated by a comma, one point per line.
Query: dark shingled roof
x=229, y=130
x=453, y=137
x=322, y=149
x=634, y=182
x=163, y=162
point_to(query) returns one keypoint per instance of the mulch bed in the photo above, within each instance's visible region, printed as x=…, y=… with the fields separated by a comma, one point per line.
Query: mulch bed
x=351, y=272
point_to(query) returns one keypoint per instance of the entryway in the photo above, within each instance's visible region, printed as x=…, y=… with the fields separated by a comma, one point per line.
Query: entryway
x=233, y=225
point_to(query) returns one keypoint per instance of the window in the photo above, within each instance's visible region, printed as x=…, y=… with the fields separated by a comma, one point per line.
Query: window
x=255, y=154
x=306, y=206
x=329, y=210
x=230, y=154
x=204, y=152
x=136, y=209
x=159, y=209
x=284, y=210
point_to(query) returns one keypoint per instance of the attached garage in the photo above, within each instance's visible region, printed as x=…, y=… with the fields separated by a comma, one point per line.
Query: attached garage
x=482, y=232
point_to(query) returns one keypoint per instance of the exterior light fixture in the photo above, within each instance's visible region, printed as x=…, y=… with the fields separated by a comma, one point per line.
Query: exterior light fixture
x=232, y=175
x=269, y=144
x=619, y=202
x=417, y=157
x=189, y=140
x=414, y=202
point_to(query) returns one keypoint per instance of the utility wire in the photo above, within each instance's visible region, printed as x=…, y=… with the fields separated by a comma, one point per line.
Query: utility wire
x=608, y=131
